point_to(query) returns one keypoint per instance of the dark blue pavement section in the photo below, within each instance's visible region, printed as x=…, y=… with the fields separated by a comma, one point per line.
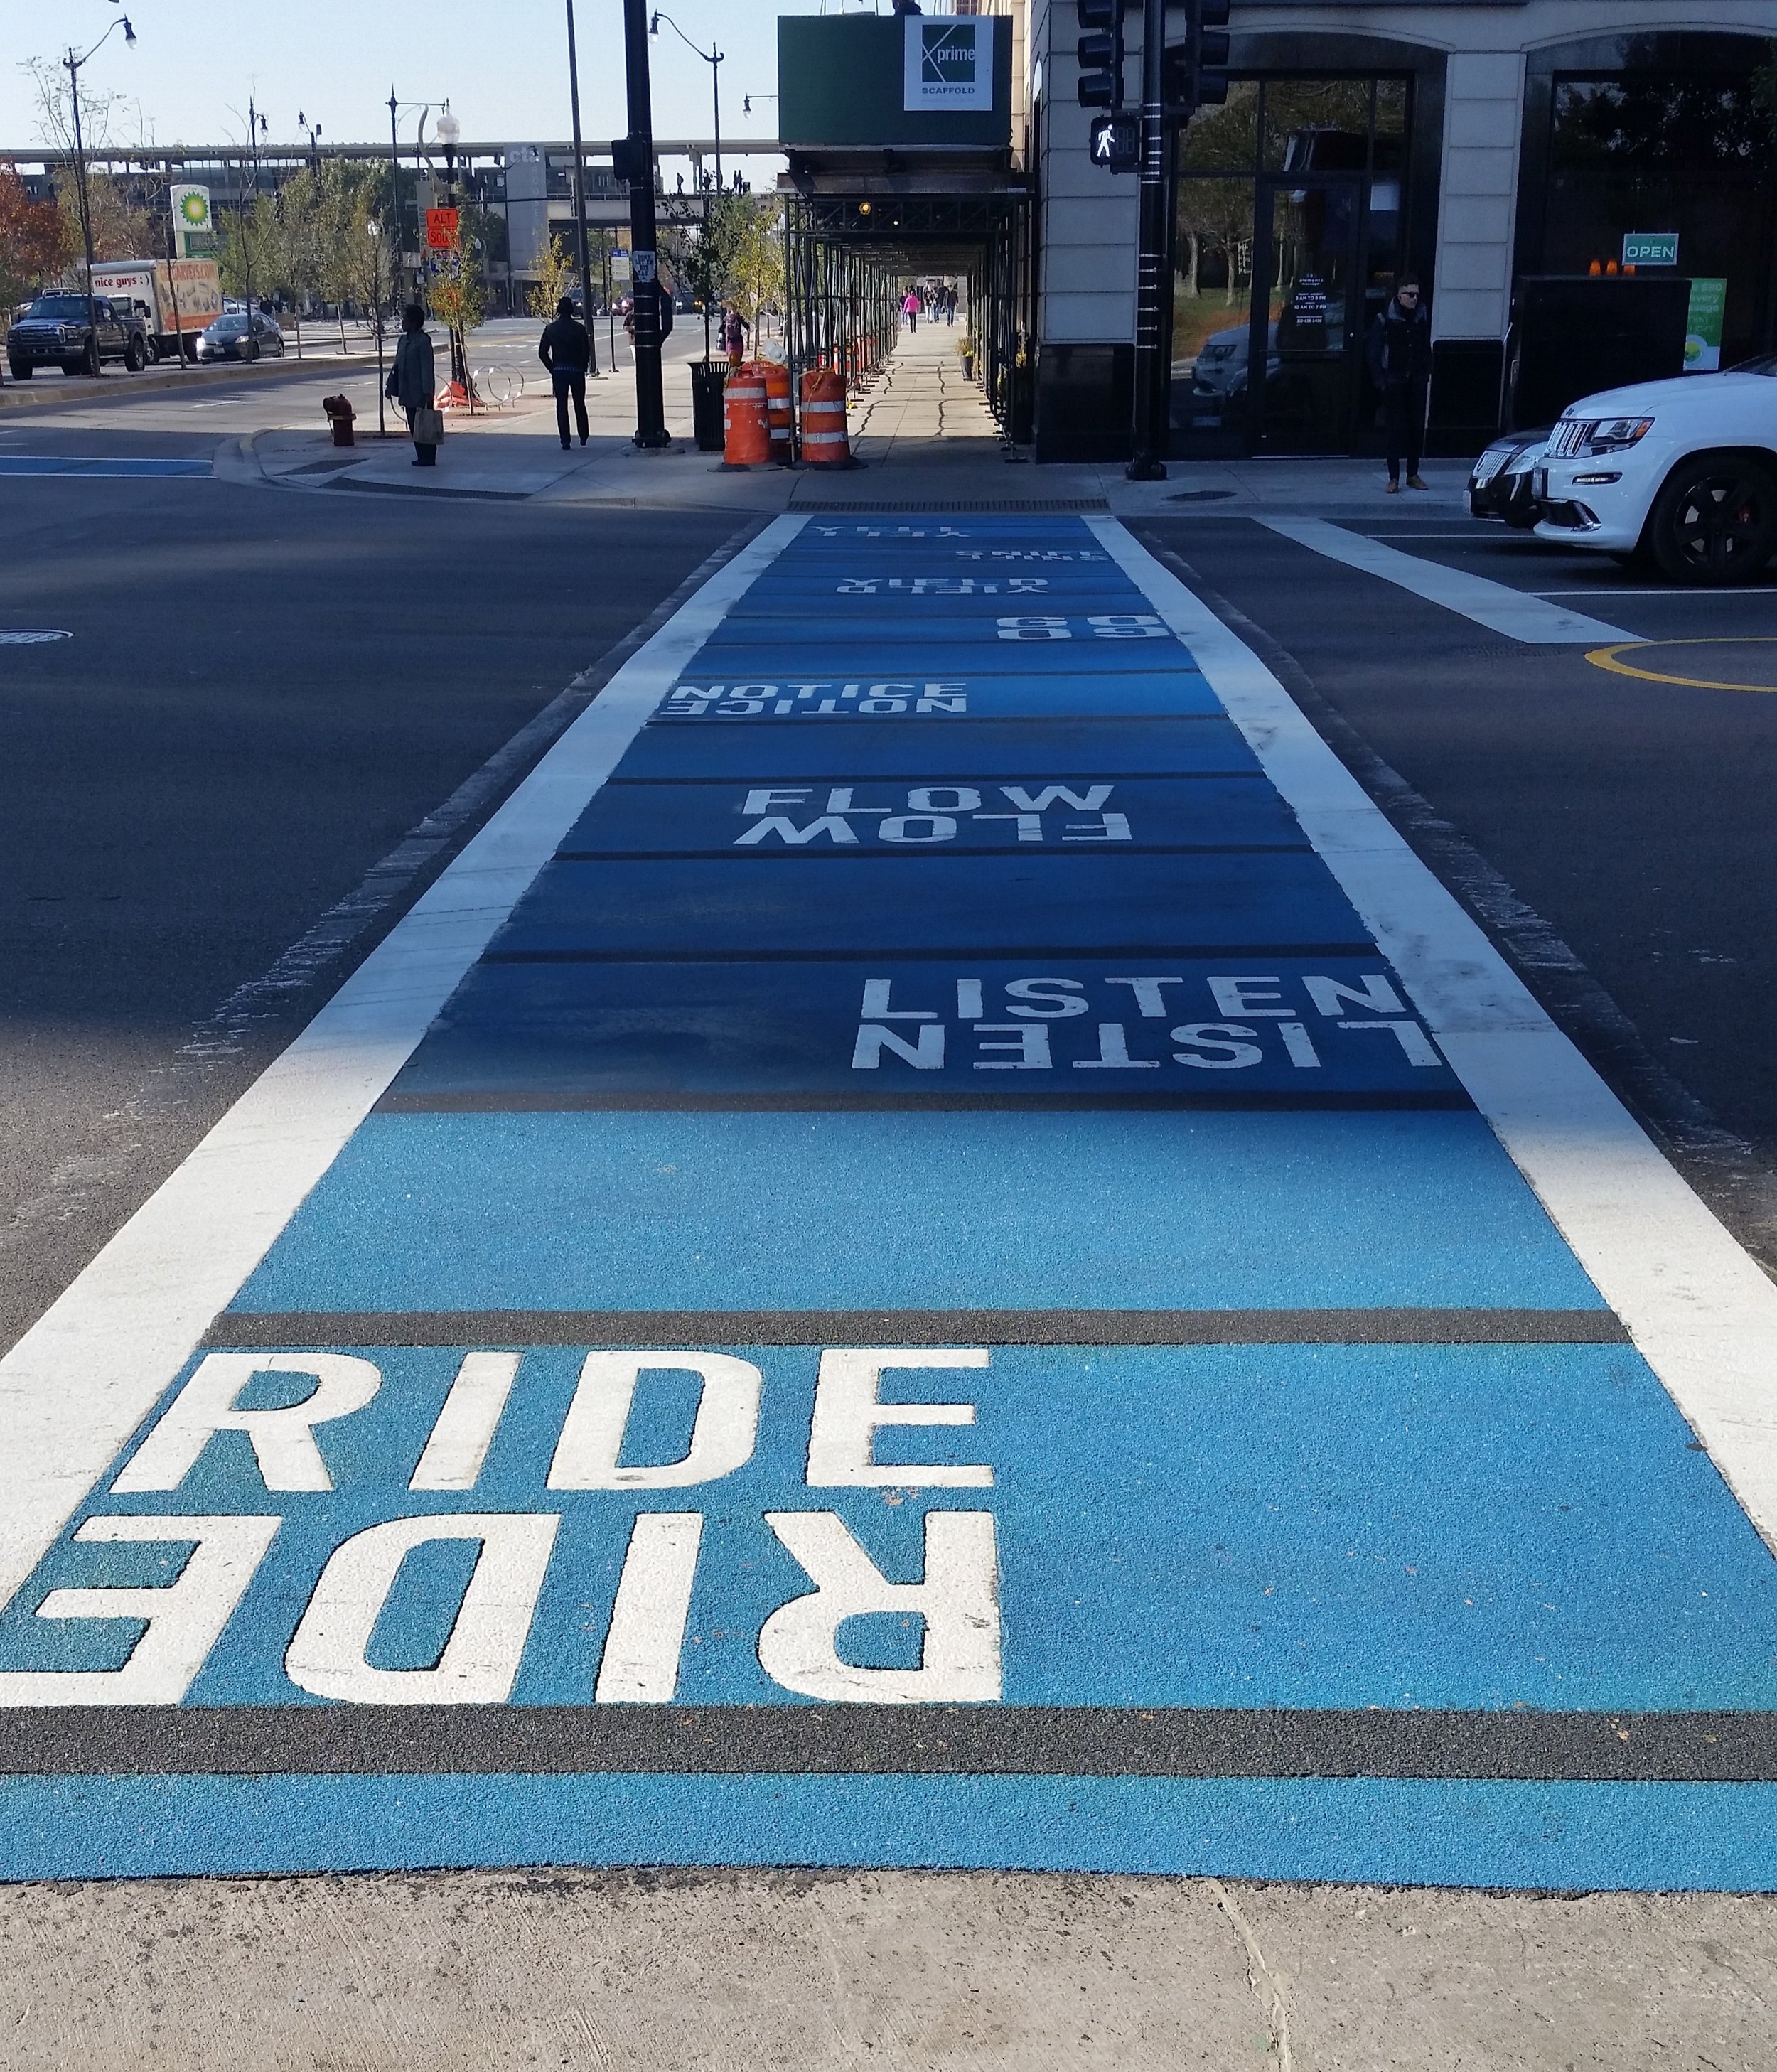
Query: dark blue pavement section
x=894, y=904
x=955, y=817
x=1225, y=1370
x=603, y=1035
x=960, y=696
x=766, y=745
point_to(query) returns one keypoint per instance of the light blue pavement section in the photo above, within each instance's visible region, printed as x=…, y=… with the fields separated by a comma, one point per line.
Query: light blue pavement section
x=1514, y=1528
x=1571, y=1837
x=899, y=1210
x=1444, y=1528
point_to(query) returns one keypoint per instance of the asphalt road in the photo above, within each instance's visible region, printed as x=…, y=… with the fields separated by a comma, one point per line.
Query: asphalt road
x=261, y=696
x=1633, y=818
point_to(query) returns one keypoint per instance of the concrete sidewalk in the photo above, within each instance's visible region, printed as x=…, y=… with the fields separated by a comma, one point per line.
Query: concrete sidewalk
x=921, y=434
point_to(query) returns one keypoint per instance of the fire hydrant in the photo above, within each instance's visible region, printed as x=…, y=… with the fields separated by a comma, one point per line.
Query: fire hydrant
x=341, y=414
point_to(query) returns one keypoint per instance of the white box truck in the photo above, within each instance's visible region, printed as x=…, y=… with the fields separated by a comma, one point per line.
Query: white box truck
x=175, y=298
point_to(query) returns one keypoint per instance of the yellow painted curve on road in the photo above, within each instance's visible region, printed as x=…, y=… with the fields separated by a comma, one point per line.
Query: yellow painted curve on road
x=1611, y=659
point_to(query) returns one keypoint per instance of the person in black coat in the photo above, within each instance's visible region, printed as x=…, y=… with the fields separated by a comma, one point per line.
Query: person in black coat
x=1400, y=367
x=567, y=350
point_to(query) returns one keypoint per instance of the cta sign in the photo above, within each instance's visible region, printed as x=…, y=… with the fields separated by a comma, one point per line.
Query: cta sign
x=948, y=63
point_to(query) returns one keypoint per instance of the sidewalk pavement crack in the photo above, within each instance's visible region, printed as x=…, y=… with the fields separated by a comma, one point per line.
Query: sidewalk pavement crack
x=1269, y=1985
x=1736, y=1179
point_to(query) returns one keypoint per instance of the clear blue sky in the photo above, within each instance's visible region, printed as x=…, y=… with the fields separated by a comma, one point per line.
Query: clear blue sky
x=503, y=66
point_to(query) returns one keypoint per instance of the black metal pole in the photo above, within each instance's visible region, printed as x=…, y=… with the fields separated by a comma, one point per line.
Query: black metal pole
x=580, y=197
x=395, y=198
x=650, y=399
x=1148, y=464
x=95, y=364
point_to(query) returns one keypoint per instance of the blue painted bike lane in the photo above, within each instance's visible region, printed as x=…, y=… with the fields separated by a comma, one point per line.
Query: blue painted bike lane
x=931, y=1297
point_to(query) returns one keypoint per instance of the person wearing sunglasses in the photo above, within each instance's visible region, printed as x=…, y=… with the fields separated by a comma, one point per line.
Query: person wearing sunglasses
x=1400, y=354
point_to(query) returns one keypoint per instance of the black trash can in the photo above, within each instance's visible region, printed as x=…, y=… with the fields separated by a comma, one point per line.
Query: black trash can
x=708, y=378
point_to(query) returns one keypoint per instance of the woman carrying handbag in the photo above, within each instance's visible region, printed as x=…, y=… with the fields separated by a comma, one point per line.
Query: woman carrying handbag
x=412, y=383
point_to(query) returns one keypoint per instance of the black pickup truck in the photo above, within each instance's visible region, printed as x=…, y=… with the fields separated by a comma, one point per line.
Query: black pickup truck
x=57, y=331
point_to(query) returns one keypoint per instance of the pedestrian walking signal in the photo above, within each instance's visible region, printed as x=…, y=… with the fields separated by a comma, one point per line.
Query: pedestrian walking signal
x=1116, y=142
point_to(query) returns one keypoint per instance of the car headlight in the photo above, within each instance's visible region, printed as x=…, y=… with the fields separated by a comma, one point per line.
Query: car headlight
x=1614, y=434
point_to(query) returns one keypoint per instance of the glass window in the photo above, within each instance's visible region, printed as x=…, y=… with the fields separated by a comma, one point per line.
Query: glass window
x=1389, y=150
x=1211, y=303
x=1317, y=126
x=1674, y=121
x=1225, y=139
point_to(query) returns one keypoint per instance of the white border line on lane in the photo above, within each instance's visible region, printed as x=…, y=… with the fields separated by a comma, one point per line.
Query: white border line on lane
x=1698, y=1308
x=1518, y=613
x=79, y=1381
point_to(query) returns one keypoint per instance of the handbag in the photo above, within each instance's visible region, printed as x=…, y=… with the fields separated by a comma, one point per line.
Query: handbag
x=428, y=426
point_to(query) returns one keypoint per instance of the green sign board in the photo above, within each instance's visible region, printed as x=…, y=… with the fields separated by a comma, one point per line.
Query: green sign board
x=881, y=80
x=1650, y=247
x=1703, y=327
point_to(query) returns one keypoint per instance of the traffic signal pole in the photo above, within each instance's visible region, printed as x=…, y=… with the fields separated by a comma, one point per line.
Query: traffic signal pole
x=1148, y=464
x=645, y=277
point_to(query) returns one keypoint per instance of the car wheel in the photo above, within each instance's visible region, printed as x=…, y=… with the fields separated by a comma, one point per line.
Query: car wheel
x=134, y=357
x=1715, y=520
x=21, y=373
x=74, y=367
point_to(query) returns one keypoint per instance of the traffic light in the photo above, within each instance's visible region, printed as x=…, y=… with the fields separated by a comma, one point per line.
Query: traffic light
x=1206, y=53
x=1101, y=52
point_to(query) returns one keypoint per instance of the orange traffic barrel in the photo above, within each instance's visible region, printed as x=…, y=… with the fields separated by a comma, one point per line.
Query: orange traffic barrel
x=824, y=441
x=777, y=403
x=745, y=429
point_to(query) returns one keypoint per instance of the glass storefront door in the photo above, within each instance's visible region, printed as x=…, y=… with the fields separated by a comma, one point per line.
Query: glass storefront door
x=1308, y=298
x=1291, y=211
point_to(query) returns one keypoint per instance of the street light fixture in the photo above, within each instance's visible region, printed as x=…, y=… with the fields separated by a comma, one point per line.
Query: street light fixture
x=312, y=131
x=711, y=57
x=72, y=64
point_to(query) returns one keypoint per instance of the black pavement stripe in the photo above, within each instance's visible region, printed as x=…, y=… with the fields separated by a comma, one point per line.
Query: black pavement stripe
x=1714, y=1748
x=925, y=954
x=817, y=507
x=284, y=1328
x=617, y=1102
x=848, y=773
x=896, y=853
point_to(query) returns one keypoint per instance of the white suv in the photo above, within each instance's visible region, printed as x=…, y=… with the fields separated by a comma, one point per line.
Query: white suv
x=1682, y=471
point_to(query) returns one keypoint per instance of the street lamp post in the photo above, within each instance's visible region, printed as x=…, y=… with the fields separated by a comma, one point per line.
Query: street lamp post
x=376, y=319
x=580, y=197
x=448, y=130
x=711, y=57
x=72, y=64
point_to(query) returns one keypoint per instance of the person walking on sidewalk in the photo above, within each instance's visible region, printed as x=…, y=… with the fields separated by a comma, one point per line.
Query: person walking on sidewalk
x=413, y=379
x=734, y=335
x=909, y=309
x=1400, y=367
x=567, y=350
